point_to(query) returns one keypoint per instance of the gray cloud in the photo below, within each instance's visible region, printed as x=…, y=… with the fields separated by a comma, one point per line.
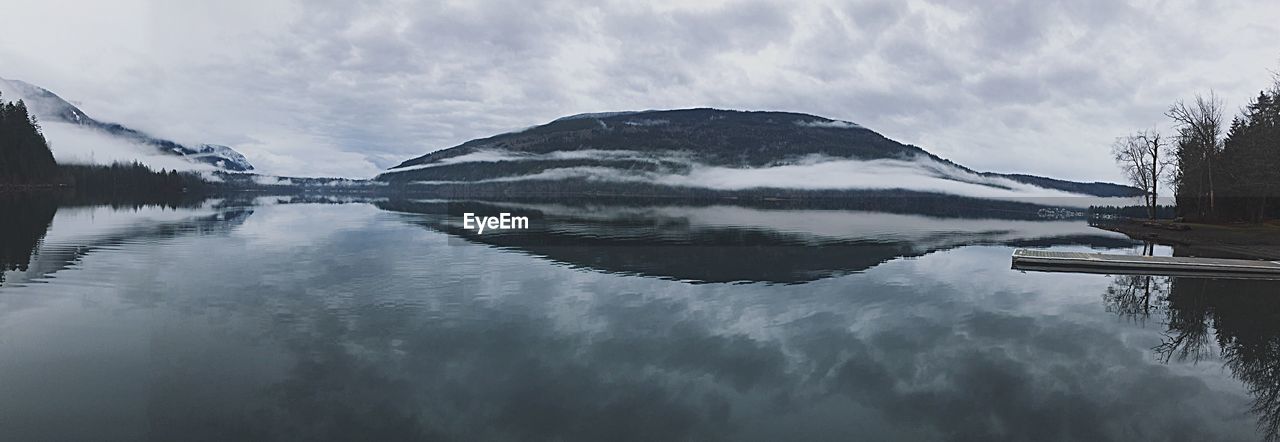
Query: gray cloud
x=348, y=88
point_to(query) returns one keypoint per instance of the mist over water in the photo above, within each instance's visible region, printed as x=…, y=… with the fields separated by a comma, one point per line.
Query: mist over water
x=814, y=172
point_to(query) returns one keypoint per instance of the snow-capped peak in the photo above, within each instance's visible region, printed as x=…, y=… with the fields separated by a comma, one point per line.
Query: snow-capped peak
x=225, y=153
x=44, y=104
x=50, y=108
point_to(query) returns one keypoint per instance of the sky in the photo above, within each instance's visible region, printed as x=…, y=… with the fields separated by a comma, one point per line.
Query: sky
x=348, y=88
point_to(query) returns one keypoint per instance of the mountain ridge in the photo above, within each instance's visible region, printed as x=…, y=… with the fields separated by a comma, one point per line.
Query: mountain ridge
x=48, y=106
x=677, y=142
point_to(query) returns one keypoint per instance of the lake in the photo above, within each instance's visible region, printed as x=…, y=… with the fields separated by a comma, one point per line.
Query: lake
x=385, y=320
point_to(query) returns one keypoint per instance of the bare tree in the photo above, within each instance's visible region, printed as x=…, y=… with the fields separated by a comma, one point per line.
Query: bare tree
x=1142, y=157
x=1199, y=127
x=1130, y=296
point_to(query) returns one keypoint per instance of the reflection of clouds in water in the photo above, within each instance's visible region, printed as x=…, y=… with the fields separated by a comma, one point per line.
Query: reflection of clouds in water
x=924, y=232
x=301, y=224
x=72, y=223
x=697, y=369
x=395, y=332
x=74, y=232
x=736, y=244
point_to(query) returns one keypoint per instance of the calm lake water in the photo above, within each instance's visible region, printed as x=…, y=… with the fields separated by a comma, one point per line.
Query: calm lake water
x=387, y=321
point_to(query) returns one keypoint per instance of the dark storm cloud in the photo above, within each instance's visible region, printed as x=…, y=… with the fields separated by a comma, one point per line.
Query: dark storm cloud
x=350, y=87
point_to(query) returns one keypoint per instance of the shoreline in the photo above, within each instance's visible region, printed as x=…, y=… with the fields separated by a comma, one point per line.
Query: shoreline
x=27, y=187
x=1245, y=241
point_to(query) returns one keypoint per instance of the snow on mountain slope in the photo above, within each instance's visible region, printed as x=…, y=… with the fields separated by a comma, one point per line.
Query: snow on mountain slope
x=76, y=137
x=224, y=157
x=44, y=104
x=596, y=115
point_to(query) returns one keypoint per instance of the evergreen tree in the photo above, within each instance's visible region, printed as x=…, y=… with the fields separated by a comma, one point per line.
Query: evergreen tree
x=1237, y=178
x=25, y=157
x=1196, y=154
x=1251, y=157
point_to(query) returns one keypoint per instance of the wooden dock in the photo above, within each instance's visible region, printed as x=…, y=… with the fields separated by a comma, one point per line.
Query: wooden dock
x=1077, y=262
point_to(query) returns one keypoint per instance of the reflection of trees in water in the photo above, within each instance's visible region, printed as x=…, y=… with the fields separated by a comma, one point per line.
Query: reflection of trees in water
x=25, y=220
x=1241, y=316
x=1246, y=315
x=634, y=238
x=1188, y=332
x=1132, y=296
x=23, y=223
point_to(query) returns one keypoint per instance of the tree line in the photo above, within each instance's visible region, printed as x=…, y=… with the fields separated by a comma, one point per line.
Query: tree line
x=26, y=161
x=1218, y=173
x=132, y=183
x=24, y=154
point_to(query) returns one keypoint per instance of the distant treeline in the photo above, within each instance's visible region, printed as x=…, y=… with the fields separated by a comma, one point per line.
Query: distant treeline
x=1131, y=211
x=1217, y=174
x=26, y=162
x=131, y=182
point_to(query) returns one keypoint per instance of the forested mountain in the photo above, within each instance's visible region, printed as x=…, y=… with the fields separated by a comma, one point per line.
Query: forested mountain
x=51, y=108
x=714, y=150
x=26, y=161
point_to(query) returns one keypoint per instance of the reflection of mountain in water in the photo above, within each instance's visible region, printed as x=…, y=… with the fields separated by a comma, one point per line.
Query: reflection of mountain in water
x=26, y=225
x=736, y=244
x=1240, y=317
x=23, y=223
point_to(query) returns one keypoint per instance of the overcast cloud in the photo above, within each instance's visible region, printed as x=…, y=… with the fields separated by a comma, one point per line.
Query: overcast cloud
x=347, y=88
